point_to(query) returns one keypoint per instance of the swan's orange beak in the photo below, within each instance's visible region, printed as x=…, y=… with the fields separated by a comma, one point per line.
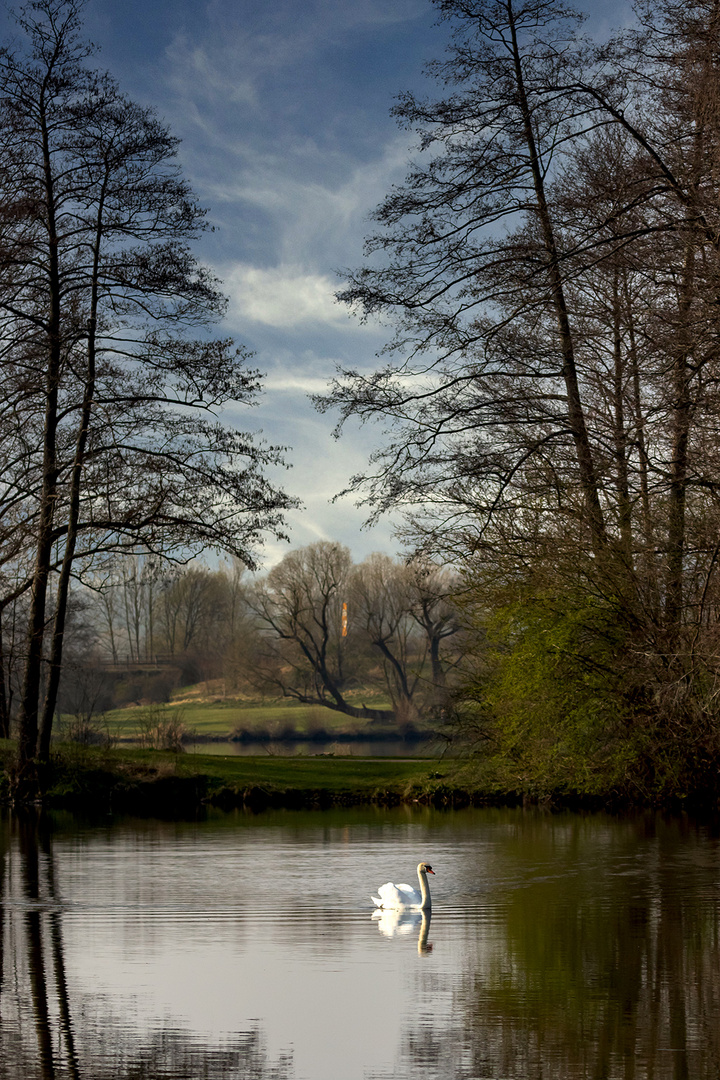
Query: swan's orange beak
x=431, y=871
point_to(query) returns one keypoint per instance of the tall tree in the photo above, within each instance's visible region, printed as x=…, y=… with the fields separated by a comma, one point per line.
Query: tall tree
x=552, y=266
x=109, y=312
x=487, y=387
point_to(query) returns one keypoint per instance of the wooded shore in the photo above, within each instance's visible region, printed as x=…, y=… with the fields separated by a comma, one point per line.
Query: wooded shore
x=163, y=784
x=138, y=780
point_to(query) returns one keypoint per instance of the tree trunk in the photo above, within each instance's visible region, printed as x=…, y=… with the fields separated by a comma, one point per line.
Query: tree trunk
x=56, y=652
x=576, y=413
x=109, y=611
x=128, y=627
x=681, y=418
x=400, y=674
x=620, y=432
x=28, y=724
x=74, y=507
x=149, y=640
x=649, y=562
x=438, y=671
x=360, y=712
x=4, y=710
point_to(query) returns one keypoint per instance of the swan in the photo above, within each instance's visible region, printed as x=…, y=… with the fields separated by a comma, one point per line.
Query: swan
x=404, y=896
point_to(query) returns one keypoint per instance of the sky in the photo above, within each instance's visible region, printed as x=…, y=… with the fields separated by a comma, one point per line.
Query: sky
x=283, y=110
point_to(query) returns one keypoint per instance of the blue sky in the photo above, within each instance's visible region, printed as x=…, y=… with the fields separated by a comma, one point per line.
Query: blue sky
x=283, y=111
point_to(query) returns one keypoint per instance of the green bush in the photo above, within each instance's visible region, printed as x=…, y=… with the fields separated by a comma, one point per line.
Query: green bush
x=552, y=709
x=573, y=695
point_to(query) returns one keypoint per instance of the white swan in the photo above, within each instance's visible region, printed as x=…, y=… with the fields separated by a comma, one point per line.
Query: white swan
x=404, y=896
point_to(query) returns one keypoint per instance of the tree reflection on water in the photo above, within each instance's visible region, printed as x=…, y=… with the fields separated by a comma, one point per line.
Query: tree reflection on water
x=173, y=1054
x=588, y=950
x=38, y=1036
x=619, y=978
x=610, y=980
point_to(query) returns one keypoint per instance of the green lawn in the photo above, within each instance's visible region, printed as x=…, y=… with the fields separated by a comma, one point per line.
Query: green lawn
x=159, y=781
x=331, y=774
x=221, y=718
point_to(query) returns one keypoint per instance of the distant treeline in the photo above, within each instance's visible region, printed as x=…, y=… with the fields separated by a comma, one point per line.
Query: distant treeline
x=317, y=629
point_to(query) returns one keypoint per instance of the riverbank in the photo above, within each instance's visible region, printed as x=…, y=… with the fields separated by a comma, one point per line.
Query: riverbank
x=193, y=718
x=150, y=781
x=165, y=784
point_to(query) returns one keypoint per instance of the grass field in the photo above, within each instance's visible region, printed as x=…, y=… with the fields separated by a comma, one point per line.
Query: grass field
x=330, y=774
x=161, y=782
x=219, y=719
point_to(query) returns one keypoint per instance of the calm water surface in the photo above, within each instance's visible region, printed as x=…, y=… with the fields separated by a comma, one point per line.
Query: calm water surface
x=394, y=748
x=245, y=947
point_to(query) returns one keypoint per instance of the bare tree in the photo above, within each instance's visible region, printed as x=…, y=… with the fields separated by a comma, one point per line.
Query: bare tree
x=192, y=612
x=327, y=626
x=108, y=313
x=432, y=603
x=487, y=389
x=379, y=606
x=300, y=606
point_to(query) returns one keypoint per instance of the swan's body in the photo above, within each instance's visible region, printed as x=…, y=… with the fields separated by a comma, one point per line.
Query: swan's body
x=404, y=896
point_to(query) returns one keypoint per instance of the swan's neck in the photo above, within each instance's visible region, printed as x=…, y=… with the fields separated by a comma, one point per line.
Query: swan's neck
x=424, y=891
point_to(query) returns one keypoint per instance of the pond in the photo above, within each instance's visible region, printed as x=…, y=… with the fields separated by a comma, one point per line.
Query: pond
x=247, y=947
x=372, y=748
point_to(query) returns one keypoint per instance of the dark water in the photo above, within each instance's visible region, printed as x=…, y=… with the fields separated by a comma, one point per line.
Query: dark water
x=241, y=947
x=372, y=748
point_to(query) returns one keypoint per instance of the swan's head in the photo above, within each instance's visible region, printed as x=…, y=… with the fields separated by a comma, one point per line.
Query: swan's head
x=425, y=868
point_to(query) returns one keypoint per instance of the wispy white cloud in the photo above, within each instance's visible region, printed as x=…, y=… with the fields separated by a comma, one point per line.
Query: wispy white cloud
x=284, y=297
x=308, y=205
x=259, y=41
x=287, y=383
x=271, y=130
x=283, y=114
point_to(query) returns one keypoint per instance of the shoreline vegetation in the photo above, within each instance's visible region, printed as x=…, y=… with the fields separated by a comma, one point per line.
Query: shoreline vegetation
x=147, y=759
x=135, y=760
x=157, y=783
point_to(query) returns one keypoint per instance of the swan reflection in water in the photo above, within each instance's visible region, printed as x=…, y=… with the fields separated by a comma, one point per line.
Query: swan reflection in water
x=392, y=921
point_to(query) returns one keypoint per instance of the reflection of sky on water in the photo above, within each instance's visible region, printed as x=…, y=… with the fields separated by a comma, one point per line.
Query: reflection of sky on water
x=213, y=934
x=319, y=1006
x=249, y=948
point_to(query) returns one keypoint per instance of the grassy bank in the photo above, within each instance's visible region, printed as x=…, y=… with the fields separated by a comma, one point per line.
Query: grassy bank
x=141, y=781
x=158, y=783
x=228, y=719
